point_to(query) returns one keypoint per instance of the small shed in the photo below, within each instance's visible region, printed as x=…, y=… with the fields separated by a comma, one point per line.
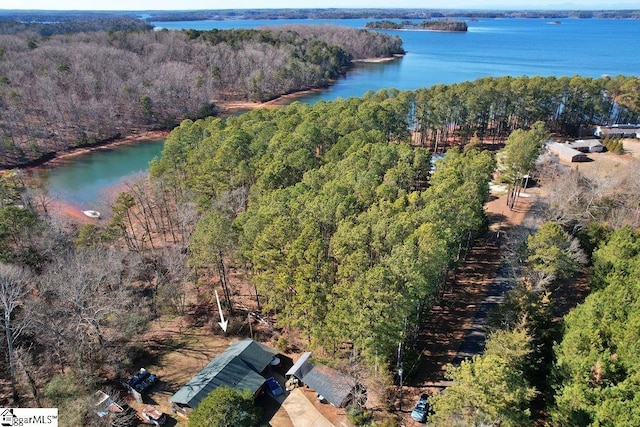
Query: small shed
x=566, y=153
x=337, y=388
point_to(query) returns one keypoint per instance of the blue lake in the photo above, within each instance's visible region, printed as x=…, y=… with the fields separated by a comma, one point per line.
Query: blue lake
x=491, y=47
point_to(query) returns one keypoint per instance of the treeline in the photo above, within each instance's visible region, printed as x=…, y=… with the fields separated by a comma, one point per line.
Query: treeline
x=491, y=108
x=311, y=13
x=61, y=92
x=390, y=13
x=42, y=29
x=442, y=25
x=358, y=44
x=437, y=25
x=61, y=16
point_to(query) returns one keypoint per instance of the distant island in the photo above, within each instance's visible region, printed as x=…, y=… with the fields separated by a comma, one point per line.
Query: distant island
x=436, y=25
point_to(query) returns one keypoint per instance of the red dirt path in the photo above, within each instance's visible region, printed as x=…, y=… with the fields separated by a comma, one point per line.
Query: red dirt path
x=448, y=321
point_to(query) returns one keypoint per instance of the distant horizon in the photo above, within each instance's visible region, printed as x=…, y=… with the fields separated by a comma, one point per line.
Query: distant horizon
x=205, y=5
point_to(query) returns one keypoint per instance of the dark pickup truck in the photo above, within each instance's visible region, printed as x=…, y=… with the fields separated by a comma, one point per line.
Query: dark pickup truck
x=142, y=381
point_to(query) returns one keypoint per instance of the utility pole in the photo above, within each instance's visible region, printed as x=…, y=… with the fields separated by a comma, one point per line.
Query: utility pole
x=399, y=366
x=400, y=373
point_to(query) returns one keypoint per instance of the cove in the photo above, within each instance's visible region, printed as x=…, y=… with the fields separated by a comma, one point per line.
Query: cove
x=91, y=181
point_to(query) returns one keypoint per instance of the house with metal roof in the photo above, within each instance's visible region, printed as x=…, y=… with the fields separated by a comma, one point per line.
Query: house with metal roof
x=333, y=386
x=239, y=367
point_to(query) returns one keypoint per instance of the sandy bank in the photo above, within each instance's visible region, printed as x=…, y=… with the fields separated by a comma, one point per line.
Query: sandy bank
x=64, y=156
x=228, y=108
x=377, y=60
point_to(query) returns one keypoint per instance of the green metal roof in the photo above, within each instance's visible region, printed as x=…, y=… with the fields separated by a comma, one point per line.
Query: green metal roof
x=238, y=367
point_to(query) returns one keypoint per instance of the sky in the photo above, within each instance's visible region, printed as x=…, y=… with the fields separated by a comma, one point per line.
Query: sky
x=294, y=4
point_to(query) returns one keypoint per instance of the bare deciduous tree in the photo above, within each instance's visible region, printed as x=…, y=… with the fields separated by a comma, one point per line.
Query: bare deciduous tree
x=82, y=300
x=13, y=289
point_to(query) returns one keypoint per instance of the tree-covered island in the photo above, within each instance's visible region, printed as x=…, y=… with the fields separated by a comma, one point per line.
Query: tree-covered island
x=432, y=25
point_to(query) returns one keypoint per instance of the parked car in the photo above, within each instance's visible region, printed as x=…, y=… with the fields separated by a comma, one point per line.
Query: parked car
x=142, y=381
x=274, y=387
x=421, y=410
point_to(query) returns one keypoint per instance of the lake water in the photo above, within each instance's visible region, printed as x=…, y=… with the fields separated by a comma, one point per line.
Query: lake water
x=491, y=47
x=88, y=181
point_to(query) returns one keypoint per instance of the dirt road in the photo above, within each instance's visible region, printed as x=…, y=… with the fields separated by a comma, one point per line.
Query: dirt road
x=454, y=329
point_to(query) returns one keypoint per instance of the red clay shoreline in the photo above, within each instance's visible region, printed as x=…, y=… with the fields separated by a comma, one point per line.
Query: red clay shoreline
x=64, y=156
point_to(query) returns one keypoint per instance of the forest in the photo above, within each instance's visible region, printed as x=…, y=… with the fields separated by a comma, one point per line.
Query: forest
x=40, y=29
x=346, y=231
x=80, y=89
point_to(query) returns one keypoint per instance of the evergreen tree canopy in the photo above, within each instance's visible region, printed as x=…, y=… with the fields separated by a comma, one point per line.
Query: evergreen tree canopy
x=226, y=407
x=598, y=359
x=490, y=389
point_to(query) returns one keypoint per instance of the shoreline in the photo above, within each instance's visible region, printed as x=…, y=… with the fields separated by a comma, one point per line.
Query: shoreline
x=378, y=60
x=65, y=156
x=227, y=108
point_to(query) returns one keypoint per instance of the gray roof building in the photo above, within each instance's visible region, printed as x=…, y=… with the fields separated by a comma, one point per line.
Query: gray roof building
x=587, y=145
x=238, y=367
x=336, y=387
x=566, y=153
x=618, y=131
